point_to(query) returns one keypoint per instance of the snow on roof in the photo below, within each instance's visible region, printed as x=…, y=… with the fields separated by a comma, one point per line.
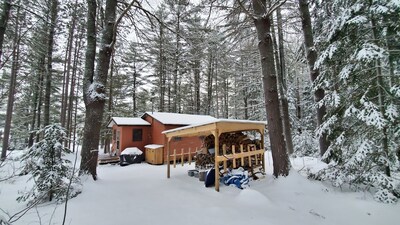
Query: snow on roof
x=215, y=121
x=153, y=146
x=128, y=121
x=179, y=119
x=131, y=151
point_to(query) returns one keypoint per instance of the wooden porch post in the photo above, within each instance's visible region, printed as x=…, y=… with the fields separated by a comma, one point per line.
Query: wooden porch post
x=262, y=147
x=168, y=160
x=216, y=167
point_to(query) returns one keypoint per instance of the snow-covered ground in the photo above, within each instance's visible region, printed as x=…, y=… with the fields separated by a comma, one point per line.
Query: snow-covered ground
x=141, y=194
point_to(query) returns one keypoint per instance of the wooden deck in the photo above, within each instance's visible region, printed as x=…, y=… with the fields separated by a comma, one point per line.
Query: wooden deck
x=105, y=159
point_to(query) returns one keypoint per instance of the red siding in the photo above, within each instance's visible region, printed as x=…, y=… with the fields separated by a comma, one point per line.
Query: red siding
x=153, y=135
x=158, y=138
x=126, y=137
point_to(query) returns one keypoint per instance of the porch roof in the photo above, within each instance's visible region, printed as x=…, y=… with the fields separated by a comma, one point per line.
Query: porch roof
x=218, y=125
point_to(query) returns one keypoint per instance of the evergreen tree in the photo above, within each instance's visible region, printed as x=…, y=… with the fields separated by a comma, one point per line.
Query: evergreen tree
x=46, y=163
x=363, y=107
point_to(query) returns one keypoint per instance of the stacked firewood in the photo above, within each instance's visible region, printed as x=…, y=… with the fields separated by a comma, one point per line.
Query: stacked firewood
x=204, y=158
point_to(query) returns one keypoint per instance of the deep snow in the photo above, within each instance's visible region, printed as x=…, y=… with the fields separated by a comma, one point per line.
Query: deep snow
x=141, y=194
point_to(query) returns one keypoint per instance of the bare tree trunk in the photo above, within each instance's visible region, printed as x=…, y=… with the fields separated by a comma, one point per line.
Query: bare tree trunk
x=90, y=133
x=65, y=98
x=110, y=105
x=282, y=85
x=161, y=106
x=94, y=84
x=11, y=88
x=176, y=70
x=73, y=94
x=209, y=83
x=298, y=103
x=40, y=97
x=263, y=23
x=49, y=72
x=314, y=72
x=3, y=23
x=134, y=91
x=197, y=86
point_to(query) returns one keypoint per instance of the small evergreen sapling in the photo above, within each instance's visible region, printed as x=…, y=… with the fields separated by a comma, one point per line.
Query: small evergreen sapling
x=45, y=162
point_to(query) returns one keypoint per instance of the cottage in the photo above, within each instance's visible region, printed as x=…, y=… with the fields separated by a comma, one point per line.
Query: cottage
x=147, y=130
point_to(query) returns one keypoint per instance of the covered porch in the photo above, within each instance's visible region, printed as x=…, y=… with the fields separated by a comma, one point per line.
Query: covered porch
x=216, y=128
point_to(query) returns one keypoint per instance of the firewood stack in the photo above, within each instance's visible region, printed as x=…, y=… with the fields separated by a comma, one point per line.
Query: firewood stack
x=204, y=159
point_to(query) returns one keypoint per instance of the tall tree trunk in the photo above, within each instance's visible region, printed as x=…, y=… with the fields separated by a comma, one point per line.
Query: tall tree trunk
x=282, y=85
x=3, y=23
x=263, y=23
x=161, y=59
x=209, y=83
x=314, y=72
x=49, y=72
x=40, y=97
x=73, y=93
x=90, y=133
x=176, y=70
x=108, y=136
x=65, y=103
x=134, y=90
x=197, y=86
x=94, y=84
x=11, y=88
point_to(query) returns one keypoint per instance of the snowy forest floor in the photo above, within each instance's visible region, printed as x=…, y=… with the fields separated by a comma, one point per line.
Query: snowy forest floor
x=141, y=194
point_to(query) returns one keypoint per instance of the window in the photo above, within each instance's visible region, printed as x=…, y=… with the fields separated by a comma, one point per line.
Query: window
x=115, y=135
x=137, y=135
x=177, y=138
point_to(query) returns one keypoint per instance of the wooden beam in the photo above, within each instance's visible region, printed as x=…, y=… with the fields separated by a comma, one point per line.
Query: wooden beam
x=216, y=166
x=241, y=155
x=168, y=160
x=263, y=148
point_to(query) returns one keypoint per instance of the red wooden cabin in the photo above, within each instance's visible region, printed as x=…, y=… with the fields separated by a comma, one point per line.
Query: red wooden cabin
x=139, y=132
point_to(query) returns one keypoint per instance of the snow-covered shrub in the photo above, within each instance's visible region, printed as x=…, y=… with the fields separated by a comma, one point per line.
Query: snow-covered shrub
x=46, y=163
x=305, y=144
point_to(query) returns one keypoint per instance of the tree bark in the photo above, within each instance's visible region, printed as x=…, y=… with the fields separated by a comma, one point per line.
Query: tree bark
x=161, y=59
x=94, y=84
x=282, y=85
x=49, y=72
x=3, y=23
x=65, y=103
x=11, y=88
x=314, y=72
x=90, y=134
x=263, y=23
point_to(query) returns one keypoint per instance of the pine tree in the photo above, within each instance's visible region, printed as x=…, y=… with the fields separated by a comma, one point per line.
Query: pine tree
x=46, y=163
x=363, y=106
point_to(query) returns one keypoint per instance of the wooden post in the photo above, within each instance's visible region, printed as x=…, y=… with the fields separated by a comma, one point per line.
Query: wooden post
x=241, y=158
x=224, y=153
x=182, y=157
x=174, y=158
x=256, y=159
x=190, y=156
x=216, y=136
x=263, y=148
x=168, y=160
x=249, y=150
x=234, y=158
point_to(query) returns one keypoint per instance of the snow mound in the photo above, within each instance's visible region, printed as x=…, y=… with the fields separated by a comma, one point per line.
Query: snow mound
x=154, y=146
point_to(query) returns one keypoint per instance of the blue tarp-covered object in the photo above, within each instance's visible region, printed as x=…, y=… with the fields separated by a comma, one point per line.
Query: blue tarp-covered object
x=237, y=177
